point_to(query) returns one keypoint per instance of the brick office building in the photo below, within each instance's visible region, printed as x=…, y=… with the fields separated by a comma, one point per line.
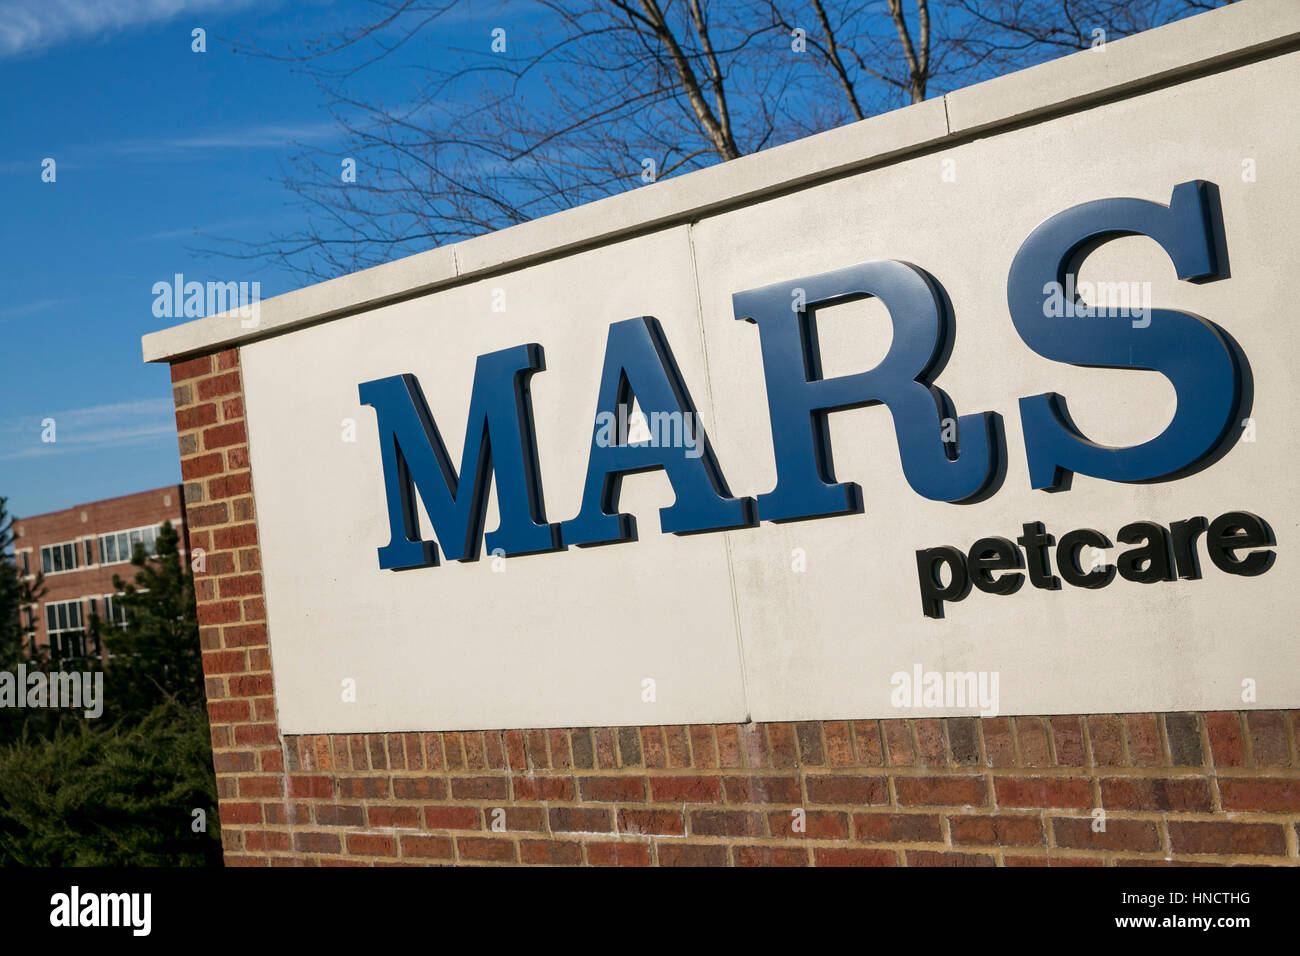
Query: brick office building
x=79, y=550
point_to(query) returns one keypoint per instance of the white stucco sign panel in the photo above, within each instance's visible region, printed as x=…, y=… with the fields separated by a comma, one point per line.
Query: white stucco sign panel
x=564, y=639
x=813, y=618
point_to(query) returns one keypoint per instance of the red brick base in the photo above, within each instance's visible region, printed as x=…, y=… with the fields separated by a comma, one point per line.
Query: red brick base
x=1097, y=790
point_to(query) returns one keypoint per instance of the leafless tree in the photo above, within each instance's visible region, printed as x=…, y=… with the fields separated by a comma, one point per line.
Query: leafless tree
x=591, y=98
x=1005, y=32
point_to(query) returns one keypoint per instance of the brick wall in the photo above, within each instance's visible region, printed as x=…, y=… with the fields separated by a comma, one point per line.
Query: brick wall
x=1188, y=787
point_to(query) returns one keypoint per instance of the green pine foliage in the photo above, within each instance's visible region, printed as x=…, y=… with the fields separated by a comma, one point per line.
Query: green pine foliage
x=118, y=795
x=17, y=638
x=123, y=789
x=157, y=653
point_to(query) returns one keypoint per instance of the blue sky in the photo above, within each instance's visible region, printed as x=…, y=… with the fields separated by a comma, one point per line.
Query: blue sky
x=161, y=153
x=153, y=144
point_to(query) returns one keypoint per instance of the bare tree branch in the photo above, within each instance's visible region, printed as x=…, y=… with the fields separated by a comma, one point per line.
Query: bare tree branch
x=593, y=94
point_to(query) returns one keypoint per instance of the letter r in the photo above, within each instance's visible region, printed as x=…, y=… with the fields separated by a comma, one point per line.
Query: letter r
x=799, y=398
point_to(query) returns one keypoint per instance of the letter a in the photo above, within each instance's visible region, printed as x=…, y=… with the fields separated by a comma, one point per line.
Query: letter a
x=639, y=363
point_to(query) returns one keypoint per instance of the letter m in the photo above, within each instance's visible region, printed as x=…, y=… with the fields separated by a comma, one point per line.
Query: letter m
x=117, y=909
x=499, y=441
x=222, y=297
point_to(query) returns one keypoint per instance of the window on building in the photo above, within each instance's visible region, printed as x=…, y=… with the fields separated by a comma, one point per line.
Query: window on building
x=26, y=568
x=92, y=637
x=114, y=611
x=90, y=557
x=59, y=557
x=66, y=628
x=120, y=545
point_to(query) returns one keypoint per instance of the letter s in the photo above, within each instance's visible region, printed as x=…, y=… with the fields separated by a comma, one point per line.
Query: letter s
x=1197, y=357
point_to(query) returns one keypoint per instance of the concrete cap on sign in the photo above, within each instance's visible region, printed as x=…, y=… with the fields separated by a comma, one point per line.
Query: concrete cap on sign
x=1200, y=43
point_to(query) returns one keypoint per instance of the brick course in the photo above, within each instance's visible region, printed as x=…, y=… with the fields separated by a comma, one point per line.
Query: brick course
x=1218, y=788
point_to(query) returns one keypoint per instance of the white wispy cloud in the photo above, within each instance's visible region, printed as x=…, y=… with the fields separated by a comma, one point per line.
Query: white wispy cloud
x=192, y=232
x=194, y=146
x=32, y=167
x=259, y=136
x=36, y=306
x=115, y=425
x=29, y=25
